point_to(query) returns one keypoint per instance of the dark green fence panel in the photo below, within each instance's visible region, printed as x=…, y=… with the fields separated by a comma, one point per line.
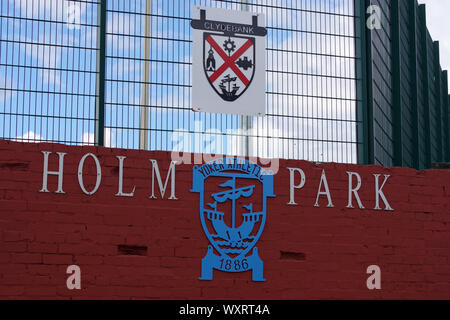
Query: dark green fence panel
x=364, y=107
x=403, y=90
x=406, y=104
x=445, y=117
x=423, y=115
x=383, y=130
x=433, y=105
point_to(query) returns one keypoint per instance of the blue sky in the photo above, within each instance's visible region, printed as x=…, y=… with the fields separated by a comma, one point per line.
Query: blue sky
x=49, y=54
x=438, y=23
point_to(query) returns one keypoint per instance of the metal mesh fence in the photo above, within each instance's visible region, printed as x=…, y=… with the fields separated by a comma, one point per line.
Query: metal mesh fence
x=48, y=88
x=406, y=122
x=48, y=70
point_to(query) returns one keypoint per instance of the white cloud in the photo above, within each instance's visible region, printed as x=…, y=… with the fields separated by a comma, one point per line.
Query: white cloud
x=305, y=135
x=50, y=59
x=39, y=46
x=46, y=56
x=88, y=138
x=122, y=25
x=6, y=94
x=438, y=24
x=50, y=9
x=30, y=136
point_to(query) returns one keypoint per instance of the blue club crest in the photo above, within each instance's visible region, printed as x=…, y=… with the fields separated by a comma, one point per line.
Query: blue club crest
x=231, y=222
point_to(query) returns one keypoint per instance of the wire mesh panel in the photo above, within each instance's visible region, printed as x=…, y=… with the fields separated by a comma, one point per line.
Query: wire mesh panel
x=422, y=93
x=48, y=70
x=382, y=88
x=445, y=118
x=49, y=73
x=407, y=95
x=310, y=81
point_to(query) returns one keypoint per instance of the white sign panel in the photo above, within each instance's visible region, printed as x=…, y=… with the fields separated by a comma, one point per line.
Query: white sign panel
x=229, y=61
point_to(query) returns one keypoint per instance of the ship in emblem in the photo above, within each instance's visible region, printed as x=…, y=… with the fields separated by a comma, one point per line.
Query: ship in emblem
x=233, y=237
x=234, y=240
x=228, y=93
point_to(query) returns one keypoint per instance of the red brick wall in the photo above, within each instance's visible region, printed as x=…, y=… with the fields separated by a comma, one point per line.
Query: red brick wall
x=308, y=252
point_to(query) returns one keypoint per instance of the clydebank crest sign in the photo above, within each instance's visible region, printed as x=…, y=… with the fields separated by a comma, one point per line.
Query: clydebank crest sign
x=231, y=216
x=228, y=61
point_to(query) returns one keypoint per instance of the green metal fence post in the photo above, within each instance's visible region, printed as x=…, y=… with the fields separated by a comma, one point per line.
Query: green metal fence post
x=414, y=84
x=415, y=106
x=447, y=124
x=101, y=69
x=396, y=85
x=364, y=109
x=246, y=121
x=145, y=95
x=438, y=106
x=446, y=110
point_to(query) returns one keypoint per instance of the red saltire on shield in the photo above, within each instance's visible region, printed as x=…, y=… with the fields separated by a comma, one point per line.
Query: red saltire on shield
x=230, y=63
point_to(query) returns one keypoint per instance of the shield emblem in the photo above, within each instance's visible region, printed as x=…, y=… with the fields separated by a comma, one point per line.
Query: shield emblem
x=229, y=64
x=233, y=209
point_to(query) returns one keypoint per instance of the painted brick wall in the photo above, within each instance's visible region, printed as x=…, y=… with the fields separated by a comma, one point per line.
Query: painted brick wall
x=308, y=252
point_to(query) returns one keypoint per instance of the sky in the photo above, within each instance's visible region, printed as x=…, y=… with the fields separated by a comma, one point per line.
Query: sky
x=438, y=23
x=48, y=50
x=48, y=53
